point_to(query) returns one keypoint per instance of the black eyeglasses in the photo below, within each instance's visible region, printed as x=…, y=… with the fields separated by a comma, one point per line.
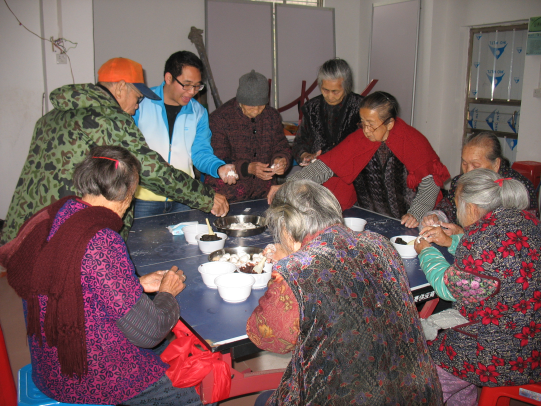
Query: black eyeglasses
x=189, y=87
x=366, y=126
x=140, y=99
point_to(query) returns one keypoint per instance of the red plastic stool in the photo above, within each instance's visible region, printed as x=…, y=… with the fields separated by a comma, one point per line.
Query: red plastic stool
x=8, y=392
x=500, y=396
x=530, y=169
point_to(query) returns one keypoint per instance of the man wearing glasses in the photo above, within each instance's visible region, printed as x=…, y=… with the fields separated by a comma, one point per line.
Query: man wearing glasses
x=87, y=115
x=177, y=127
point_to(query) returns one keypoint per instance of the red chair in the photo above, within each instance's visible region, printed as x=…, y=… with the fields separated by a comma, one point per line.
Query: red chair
x=8, y=392
x=500, y=396
x=530, y=169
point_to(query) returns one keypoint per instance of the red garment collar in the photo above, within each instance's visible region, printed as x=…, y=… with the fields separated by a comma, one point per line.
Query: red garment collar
x=351, y=156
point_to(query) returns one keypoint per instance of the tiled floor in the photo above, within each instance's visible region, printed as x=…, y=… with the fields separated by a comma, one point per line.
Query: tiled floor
x=13, y=326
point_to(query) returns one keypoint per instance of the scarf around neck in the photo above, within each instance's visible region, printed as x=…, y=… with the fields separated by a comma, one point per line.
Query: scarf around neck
x=351, y=156
x=36, y=267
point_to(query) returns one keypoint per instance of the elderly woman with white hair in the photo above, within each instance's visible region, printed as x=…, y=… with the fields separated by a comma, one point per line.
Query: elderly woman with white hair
x=495, y=284
x=328, y=118
x=340, y=301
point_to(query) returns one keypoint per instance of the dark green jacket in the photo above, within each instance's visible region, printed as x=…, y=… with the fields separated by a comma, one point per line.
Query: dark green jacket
x=85, y=116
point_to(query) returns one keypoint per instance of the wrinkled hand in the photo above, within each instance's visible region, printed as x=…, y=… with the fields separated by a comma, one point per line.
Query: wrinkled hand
x=279, y=165
x=430, y=220
x=261, y=171
x=272, y=192
x=306, y=158
x=451, y=228
x=151, y=282
x=224, y=173
x=173, y=281
x=436, y=234
x=421, y=245
x=221, y=207
x=409, y=221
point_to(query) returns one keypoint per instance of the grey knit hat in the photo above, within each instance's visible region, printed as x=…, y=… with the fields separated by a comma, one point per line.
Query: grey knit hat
x=253, y=89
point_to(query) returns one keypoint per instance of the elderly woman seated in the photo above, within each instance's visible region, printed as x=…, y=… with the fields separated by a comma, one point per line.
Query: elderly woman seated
x=249, y=133
x=340, y=302
x=495, y=283
x=387, y=166
x=88, y=317
x=482, y=150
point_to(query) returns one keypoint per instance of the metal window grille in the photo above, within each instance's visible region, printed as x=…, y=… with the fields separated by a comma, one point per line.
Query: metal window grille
x=496, y=67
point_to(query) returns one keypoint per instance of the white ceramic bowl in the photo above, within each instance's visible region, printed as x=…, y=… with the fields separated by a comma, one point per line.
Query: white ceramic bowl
x=355, y=224
x=209, y=247
x=262, y=279
x=405, y=251
x=191, y=231
x=234, y=287
x=209, y=271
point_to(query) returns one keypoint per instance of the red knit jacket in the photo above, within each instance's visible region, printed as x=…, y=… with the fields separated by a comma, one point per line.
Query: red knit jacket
x=349, y=158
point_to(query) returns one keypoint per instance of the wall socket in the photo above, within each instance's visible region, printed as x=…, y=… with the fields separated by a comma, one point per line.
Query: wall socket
x=61, y=59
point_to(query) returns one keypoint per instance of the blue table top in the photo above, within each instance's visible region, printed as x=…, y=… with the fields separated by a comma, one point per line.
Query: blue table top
x=153, y=247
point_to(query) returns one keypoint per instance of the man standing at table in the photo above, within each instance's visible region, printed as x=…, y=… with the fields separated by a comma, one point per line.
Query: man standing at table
x=86, y=115
x=177, y=127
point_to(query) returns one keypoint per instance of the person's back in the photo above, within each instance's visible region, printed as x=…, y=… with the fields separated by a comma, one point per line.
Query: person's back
x=360, y=339
x=85, y=116
x=58, y=144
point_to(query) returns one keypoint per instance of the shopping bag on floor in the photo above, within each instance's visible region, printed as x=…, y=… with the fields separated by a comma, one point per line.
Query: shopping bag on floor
x=190, y=361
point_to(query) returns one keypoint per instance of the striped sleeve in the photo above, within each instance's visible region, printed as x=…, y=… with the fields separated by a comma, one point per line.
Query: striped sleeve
x=434, y=266
x=148, y=322
x=424, y=201
x=316, y=171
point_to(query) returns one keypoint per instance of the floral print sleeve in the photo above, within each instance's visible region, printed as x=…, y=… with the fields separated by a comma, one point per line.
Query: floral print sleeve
x=274, y=324
x=469, y=287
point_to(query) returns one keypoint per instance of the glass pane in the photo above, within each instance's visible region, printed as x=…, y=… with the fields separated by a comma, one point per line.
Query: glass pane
x=498, y=65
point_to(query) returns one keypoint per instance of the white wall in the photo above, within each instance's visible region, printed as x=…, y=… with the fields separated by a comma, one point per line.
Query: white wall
x=75, y=25
x=176, y=19
x=21, y=89
x=529, y=144
x=23, y=73
x=442, y=68
x=347, y=15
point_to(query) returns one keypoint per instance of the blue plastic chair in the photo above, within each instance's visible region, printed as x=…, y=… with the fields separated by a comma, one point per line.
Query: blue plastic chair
x=29, y=395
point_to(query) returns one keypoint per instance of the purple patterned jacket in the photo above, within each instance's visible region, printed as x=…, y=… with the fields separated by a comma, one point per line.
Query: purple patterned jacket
x=117, y=369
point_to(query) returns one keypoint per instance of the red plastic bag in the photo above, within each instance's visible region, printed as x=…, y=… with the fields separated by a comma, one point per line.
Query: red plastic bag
x=189, y=364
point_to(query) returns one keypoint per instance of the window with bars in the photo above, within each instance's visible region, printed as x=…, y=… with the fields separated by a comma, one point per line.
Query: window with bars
x=496, y=66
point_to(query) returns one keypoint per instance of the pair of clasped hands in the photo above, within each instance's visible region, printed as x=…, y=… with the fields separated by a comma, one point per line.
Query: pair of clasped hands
x=170, y=281
x=262, y=171
x=435, y=231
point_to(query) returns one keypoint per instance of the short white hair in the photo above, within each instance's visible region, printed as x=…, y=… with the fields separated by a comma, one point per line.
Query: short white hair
x=479, y=187
x=302, y=208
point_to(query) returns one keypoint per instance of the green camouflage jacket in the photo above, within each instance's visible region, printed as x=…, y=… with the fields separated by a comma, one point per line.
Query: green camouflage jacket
x=85, y=116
